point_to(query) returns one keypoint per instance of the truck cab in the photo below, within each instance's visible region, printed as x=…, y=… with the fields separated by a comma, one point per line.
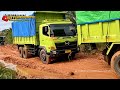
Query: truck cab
x=57, y=38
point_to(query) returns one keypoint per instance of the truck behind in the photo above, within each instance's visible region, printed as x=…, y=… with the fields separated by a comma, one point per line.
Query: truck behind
x=101, y=27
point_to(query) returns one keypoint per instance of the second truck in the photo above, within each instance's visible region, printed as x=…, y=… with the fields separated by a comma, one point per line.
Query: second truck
x=101, y=27
x=48, y=35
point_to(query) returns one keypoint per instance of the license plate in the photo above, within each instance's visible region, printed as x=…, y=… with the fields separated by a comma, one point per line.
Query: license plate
x=67, y=51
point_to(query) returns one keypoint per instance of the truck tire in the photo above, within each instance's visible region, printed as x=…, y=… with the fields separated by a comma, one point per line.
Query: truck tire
x=25, y=53
x=115, y=63
x=21, y=52
x=44, y=57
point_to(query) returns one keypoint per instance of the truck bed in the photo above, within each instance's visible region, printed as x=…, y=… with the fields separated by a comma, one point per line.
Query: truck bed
x=26, y=40
x=99, y=32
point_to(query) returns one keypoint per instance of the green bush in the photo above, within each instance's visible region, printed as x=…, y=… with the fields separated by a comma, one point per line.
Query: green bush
x=101, y=46
x=88, y=48
x=8, y=36
x=9, y=39
x=6, y=73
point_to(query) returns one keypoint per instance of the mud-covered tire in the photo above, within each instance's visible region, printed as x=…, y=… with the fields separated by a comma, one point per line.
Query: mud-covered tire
x=115, y=63
x=21, y=51
x=44, y=57
x=25, y=53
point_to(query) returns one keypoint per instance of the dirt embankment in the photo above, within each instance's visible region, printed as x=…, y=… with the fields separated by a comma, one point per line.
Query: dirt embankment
x=83, y=67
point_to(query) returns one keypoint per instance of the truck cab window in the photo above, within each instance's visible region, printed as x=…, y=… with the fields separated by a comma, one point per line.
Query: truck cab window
x=45, y=31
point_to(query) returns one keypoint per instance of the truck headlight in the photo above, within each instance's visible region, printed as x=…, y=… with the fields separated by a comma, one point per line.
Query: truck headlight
x=52, y=48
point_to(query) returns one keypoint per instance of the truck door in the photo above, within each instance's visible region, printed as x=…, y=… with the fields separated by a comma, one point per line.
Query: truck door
x=44, y=36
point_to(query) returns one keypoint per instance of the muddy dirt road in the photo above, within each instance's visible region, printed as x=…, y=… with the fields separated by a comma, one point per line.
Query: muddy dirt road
x=83, y=67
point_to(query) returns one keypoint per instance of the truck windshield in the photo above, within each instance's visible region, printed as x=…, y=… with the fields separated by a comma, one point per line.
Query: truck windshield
x=62, y=30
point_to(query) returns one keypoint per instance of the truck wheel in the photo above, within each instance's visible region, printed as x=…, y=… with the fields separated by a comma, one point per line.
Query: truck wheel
x=44, y=57
x=115, y=63
x=25, y=53
x=21, y=52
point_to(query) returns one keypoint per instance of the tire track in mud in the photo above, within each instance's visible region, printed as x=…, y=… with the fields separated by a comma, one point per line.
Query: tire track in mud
x=28, y=64
x=32, y=63
x=83, y=67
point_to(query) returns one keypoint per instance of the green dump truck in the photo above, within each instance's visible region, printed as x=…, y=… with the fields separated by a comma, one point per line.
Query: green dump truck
x=101, y=27
x=48, y=35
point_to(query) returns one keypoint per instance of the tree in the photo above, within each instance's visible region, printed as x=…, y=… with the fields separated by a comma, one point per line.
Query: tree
x=8, y=38
x=8, y=35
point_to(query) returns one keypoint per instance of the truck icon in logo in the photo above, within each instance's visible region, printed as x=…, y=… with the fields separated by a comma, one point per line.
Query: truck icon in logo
x=67, y=43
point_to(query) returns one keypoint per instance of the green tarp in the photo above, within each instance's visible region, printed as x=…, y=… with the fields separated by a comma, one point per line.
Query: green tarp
x=84, y=17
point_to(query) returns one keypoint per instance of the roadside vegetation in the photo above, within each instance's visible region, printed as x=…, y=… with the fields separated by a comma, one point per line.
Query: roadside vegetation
x=8, y=35
x=6, y=73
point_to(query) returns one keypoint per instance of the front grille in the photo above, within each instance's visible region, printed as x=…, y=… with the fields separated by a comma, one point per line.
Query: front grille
x=62, y=46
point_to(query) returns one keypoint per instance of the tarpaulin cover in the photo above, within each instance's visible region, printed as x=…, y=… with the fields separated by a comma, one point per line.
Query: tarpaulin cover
x=24, y=28
x=86, y=17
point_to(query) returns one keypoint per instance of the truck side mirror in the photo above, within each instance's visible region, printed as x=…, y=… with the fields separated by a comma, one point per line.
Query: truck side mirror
x=51, y=35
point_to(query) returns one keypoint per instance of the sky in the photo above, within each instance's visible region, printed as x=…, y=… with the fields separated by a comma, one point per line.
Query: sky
x=7, y=25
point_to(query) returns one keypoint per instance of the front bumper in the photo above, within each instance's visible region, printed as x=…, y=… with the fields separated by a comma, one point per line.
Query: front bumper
x=57, y=53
